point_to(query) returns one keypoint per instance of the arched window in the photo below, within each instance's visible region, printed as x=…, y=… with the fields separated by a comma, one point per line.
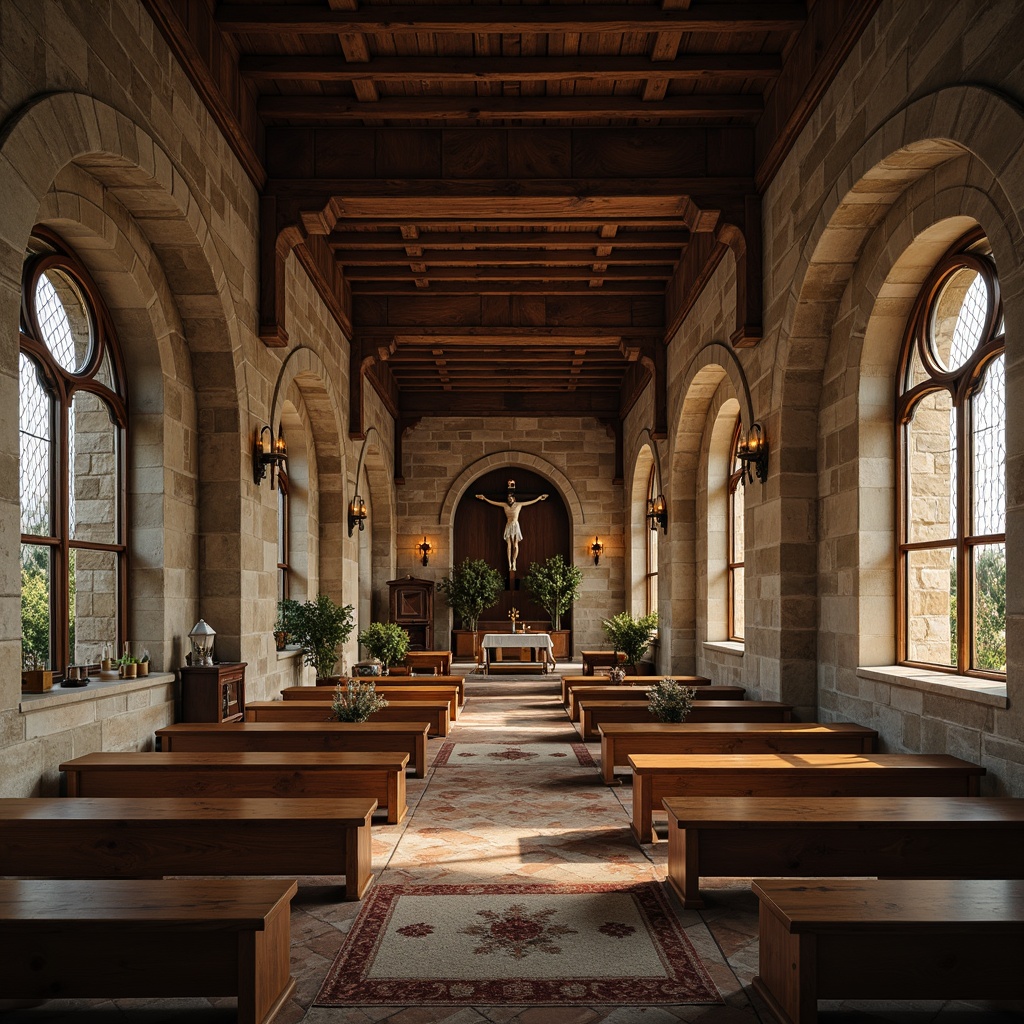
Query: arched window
x=951, y=415
x=651, y=549
x=734, y=555
x=284, y=526
x=72, y=429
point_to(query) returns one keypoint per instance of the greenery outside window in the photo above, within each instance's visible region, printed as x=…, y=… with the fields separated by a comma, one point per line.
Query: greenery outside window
x=651, y=549
x=734, y=556
x=283, y=530
x=951, y=416
x=73, y=421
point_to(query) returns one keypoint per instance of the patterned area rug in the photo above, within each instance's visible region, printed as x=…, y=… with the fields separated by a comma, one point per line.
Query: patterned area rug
x=488, y=945
x=481, y=755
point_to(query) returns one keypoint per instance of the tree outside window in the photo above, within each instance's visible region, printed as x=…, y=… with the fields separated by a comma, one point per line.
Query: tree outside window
x=734, y=555
x=651, y=549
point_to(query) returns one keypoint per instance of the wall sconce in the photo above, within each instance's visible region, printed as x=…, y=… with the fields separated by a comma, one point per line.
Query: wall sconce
x=356, y=514
x=753, y=455
x=424, y=549
x=657, y=513
x=596, y=549
x=268, y=454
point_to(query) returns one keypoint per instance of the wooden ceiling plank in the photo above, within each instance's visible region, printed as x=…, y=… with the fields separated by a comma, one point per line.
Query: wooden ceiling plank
x=631, y=288
x=492, y=257
x=370, y=241
x=310, y=19
x=476, y=272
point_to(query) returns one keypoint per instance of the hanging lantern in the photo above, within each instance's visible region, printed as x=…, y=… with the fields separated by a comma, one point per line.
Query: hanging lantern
x=201, y=637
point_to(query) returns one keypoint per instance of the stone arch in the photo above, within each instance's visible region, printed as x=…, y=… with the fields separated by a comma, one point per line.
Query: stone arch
x=59, y=131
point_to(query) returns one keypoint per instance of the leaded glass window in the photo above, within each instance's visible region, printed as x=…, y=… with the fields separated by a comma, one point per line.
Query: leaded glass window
x=734, y=560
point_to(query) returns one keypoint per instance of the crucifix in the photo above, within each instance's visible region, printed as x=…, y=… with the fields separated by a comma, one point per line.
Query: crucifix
x=513, y=533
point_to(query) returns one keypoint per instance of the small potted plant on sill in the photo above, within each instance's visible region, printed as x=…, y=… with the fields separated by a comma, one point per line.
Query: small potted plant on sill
x=356, y=701
x=128, y=664
x=386, y=641
x=631, y=636
x=143, y=665
x=320, y=627
x=554, y=585
x=670, y=702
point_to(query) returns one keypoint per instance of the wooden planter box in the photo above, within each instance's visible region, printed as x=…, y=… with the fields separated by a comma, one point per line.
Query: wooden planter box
x=463, y=639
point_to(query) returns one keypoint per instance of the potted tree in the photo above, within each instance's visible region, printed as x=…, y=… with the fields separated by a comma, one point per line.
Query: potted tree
x=386, y=641
x=554, y=584
x=320, y=627
x=631, y=636
x=472, y=586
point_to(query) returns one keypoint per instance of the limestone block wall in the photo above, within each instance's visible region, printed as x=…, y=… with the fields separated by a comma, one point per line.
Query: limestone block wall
x=442, y=457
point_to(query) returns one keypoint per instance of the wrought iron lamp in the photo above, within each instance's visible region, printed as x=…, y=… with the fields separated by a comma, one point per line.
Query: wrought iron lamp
x=268, y=453
x=356, y=514
x=657, y=513
x=752, y=451
x=597, y=549
x=424, y=549
x=201, y=640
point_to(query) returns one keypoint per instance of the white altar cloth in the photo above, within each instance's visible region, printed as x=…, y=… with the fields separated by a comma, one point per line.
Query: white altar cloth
x=534, y=641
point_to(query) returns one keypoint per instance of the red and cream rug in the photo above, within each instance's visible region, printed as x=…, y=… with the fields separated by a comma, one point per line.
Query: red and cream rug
x=486, y=945
x=480, y=755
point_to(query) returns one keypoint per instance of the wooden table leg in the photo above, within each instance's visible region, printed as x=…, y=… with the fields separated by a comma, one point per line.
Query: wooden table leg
x=643, y=810
x=607, y=760
x=684, y=863
x=358, y=860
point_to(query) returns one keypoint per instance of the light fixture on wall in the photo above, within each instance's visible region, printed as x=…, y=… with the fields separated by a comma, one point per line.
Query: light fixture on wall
x=200, y=638
x=268, y=453
x=424, y=549
x=752, y=452
x=356, y=514
x=657, y=513
x=596, y=549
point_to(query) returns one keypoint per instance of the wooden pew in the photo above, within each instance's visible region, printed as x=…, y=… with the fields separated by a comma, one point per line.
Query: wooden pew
x=435, y=713
x=134, y=938
x=327, y=692
x=596, y=713
x=657, y=776
x=894, y=836
x=424, y=688
x=378, y=776
x=568, y=682
x=620, y=739
x=578, y=694
x=390, y=737
x=148, y=837
x=887, y=939
x=438, y=663
x=600, y=659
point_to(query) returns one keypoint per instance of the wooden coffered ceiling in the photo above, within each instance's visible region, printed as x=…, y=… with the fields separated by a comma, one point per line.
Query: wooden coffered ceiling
x=510, y=206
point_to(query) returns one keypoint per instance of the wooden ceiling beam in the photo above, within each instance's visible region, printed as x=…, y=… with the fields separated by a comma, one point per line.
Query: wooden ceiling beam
x=315, y=19
x=473, y=337
x=705, y=67
x=373, y=241
x=595, y=402
x=519, y=223
x=476, y=272
x=507, y=287
x=329, y=110
x=554, y=255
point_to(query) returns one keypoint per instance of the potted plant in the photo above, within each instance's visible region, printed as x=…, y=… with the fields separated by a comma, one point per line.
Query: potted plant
x=472, y=587
x=386, y=641
x=356, y=702
x=554, y=584
x=129, y=664
x=320, y=627
x=670, y=702
x=284, y=627
x=631, y=636
x=143, y=665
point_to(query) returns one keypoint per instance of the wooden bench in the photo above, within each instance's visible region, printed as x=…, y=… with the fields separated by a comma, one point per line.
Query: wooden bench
x=148, y=837
x=598, y=659
x=658, y=776
x=568, y=682
x=379, y=776
x=390, y=737
x=620, y=739
x=887, y=939
x=136, y=938
x=425, y=688
x=578, y=694
x=596, y=713
x=434, y=713
x=327, y=692
x=438, y=663
x=894, y=836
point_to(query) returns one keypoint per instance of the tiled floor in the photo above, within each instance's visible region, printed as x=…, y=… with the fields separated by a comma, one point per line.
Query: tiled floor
x=506, y=819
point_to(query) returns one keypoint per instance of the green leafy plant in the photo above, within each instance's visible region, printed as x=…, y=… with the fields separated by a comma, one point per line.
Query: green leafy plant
x=555, y=585
x=631, y=636
x=386, y=641
x=472, y=587
x=670, y=702
x=320, y=627
x=356, y=702
x=287, y=616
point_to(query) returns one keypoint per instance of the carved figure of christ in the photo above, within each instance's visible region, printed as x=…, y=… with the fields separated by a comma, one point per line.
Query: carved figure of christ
x=513, y=533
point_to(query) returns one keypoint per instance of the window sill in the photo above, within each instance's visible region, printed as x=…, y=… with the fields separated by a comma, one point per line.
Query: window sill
x=288, y=653
x=96, y=689
x=733, y=647
x=979, y=691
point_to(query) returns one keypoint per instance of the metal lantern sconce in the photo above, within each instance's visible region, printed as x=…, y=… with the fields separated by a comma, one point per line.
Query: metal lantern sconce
x=597, y=549
x=356, y=514
x=424, y=549
x=753, y=455
x=268, y=453
x=657, y=513
x=201, y=639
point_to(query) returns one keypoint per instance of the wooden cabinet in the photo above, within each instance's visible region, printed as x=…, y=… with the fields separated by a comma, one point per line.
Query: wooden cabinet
x=213, y=693
x=411, y=604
